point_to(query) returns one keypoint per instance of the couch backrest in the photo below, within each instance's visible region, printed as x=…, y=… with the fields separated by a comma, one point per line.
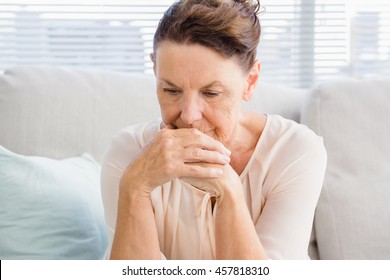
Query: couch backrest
x=352, y=219
x=277, y=99
x=59, y=112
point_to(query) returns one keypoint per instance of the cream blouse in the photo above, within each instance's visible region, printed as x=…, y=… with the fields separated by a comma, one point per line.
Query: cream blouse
x=282, y=182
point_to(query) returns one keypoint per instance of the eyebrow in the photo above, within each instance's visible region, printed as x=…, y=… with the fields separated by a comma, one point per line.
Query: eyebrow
x=214, y=83
x=169, y=83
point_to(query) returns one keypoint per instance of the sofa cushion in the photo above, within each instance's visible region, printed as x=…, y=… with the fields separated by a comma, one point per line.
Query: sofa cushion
x=276, y=99
x=60, y=112
x=352, y=220
x=50, y=209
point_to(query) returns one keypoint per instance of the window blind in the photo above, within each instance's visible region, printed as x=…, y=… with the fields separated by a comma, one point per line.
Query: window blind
x=108, y=34
x=370, y=38
x=303, y=41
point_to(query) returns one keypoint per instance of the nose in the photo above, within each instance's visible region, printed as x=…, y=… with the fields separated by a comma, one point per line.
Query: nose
x=191, y=109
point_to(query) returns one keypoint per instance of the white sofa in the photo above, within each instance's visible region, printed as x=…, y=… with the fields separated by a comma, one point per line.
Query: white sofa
x=50, y=208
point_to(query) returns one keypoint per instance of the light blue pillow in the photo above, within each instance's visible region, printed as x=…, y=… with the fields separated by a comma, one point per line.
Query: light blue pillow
x=50, y=209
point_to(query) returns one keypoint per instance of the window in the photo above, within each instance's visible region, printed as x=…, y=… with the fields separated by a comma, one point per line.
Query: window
x=303, y=41
x=309, y=41
x=108, y=34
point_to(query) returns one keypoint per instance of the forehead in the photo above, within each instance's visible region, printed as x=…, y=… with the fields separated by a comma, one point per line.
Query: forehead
x=193, y=62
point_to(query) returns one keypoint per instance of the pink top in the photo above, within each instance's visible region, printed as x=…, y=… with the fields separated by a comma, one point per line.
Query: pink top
x=282, y=182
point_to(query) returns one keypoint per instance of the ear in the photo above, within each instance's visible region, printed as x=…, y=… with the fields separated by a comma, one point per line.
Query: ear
x=252, y=79
x=153, y=59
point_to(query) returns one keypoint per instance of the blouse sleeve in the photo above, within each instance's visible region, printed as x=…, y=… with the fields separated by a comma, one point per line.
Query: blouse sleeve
x=125, y=145
x=291, y=192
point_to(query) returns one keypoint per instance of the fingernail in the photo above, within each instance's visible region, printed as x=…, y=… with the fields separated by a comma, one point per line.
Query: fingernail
x=228, y=152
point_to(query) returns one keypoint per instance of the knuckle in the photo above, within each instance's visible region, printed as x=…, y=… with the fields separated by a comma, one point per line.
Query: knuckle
x=164, y=155
x=165, y=144
x=164, y=134
x=193, y=170
x=168, y=169
x=196, y=153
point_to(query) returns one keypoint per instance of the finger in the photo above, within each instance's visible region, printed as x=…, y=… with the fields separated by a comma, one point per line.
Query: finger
x=167, y=126
x=194, y=137
x=195, y=154
x=197, y=171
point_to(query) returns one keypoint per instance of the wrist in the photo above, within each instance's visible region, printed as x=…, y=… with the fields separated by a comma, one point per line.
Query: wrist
x=131, y=202
x=132, y=187
x=133, y=192
x=230, y=194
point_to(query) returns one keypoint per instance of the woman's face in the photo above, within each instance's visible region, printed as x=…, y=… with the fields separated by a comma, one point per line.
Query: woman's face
x=199, y=88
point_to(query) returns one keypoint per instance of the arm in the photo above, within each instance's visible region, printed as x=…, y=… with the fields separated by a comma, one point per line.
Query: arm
x=282, y=229
x=135, y=235
x=288, y=216
x=235, y=233
x=291, y=193
x=163, y=159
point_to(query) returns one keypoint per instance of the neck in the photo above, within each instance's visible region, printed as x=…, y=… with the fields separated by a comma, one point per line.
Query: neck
x=245, y=140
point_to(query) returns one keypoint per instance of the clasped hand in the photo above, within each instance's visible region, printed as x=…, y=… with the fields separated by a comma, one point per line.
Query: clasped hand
x=184, y=153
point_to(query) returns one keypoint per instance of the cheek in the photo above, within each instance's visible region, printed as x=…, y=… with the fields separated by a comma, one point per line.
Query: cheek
x=169, y=112
x=225, y=119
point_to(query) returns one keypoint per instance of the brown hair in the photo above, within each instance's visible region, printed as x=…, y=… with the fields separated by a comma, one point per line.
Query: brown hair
x=230, y=27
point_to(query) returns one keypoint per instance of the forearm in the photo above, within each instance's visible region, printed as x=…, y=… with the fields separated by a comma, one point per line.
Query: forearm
x=236, y=237
x=166, y=157
x=136, y=234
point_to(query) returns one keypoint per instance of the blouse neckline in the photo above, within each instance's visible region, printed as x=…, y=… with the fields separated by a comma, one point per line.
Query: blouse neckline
x=257, y=148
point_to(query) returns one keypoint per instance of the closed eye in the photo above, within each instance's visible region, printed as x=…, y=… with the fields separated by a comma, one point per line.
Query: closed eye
x=171, y=91
x=211, y=94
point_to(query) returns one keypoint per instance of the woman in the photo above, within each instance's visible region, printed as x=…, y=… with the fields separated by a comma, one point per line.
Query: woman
x=211, y=181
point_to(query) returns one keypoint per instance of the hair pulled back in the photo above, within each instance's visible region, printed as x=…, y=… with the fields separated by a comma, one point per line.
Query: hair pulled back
x=230, y=27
